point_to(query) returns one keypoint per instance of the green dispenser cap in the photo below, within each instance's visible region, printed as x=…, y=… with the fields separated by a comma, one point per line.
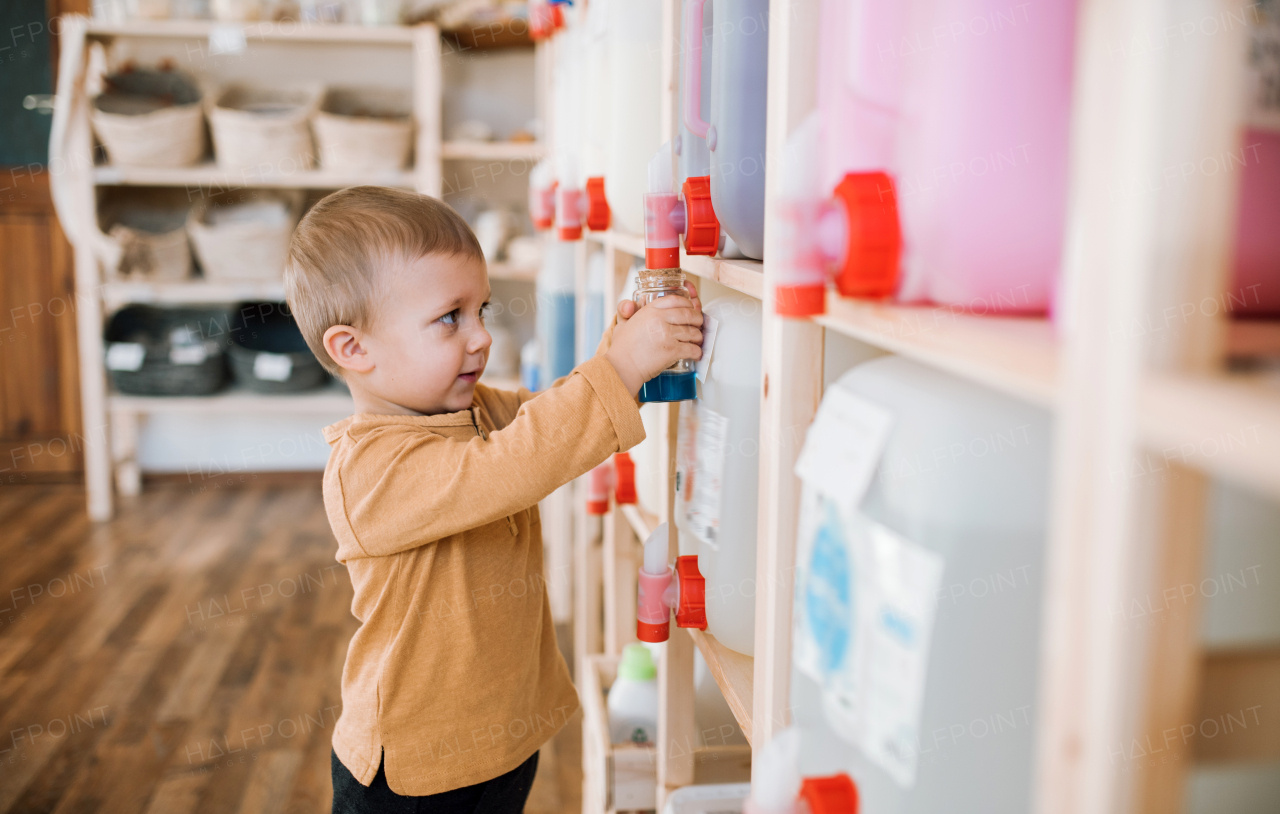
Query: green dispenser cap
x=637, y=664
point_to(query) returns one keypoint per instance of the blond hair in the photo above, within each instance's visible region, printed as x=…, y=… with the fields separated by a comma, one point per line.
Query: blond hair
x=331, y=277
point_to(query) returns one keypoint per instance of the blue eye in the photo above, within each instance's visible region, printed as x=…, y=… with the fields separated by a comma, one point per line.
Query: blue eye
x=450, y=318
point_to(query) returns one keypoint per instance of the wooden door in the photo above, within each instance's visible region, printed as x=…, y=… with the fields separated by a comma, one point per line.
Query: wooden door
x=40, y=428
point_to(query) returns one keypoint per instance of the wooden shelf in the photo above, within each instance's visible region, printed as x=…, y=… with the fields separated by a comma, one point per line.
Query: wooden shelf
x=621, y=241
x=274, y=31
x=641, y=522
x=1225, y=426
x=745, y=276
x=326, y=400
x=123, y=292
x=209, y=176
x=492, y=150
x=1016, y=355
x=733, y=672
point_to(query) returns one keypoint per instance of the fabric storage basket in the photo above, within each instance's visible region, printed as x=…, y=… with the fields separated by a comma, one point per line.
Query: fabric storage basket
x=268, y=353
x=364, y=129
x=147, y=231
x=264, y=127
x=150, y=118
x=167, y=351
x=244, y=241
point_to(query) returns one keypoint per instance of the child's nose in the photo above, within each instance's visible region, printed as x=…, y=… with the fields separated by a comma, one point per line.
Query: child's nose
x=480, y=340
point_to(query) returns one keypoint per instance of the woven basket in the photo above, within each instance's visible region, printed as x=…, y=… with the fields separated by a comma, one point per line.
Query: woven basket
x=265, y=128
x=244, y=241
x=150, y=119
x=149, y=231
x=167, y=351
x=268, y=353
x=364, y=129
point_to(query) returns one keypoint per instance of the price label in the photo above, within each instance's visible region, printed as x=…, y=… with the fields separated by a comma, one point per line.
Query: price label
x=272, y=367
x=125, y=356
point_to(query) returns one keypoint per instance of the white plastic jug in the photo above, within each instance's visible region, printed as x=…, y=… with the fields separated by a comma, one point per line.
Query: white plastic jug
x=735, y=131
x=596, y=132
x=568, y=81
x=633, y=698
x=555, y=312
x=918, y=605
x=722, y=493
x=635, y=102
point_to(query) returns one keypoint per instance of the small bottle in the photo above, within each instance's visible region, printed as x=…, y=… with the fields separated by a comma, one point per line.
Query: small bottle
x=531, y=366
x=676, y=383
x=633, y=698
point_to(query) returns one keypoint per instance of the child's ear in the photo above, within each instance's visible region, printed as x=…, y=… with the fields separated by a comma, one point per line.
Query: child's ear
x=342, y=342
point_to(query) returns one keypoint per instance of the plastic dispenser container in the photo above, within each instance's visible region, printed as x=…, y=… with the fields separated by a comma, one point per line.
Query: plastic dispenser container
x=779, y=788
x=663, y=589
x=555, y=317
x=943, y=170
x=633, y=698
x=735, y=133
x=720, y=510
x=542, y=195
x=635, y=104
x=596, y=133
x=693, y=159
x=918, y=603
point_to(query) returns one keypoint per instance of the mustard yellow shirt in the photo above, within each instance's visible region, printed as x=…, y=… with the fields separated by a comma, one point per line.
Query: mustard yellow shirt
x=454, y=676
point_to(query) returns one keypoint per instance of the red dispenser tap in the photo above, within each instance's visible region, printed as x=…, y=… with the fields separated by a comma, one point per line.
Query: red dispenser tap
x=663, y=589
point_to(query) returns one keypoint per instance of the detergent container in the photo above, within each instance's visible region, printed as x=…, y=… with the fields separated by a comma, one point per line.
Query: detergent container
x=1255, y=289
x=722, y=487
x=595, y=116
x=735, y=131
x=635, y=101
x=918, y=593
x=568, y=81
x=693, y=157
x=633, y=698
x=943, y=170
x=555, y=312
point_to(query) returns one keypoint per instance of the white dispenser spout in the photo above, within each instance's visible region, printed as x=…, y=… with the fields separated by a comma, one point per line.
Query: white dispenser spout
x=655, y=551
x=660, y=170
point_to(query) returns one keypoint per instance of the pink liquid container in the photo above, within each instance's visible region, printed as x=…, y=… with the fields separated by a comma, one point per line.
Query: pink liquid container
x=1255, y=289
x=943, y=153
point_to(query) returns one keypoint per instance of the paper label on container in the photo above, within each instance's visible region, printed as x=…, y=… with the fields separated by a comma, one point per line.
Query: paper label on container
x=709, y=329
x=125, y=356
x=707, y=478
x=843, y=446
x=227, y=39
x=686, y=456
x=188, y=354
x=1263, y=78
x=272, y=367
x=865, y=609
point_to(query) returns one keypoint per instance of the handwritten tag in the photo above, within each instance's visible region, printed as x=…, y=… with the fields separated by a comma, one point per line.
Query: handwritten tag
x=844, y=445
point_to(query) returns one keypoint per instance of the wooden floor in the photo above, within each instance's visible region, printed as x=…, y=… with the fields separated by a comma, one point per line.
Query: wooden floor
x=184, y=657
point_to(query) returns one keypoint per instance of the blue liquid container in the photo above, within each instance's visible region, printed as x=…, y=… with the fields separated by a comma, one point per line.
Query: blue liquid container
x=678, y=382
x=670, y=386
x=556, y=310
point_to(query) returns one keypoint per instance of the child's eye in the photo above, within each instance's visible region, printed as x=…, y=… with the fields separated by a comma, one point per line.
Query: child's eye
x=450, y=318
x=486, y=311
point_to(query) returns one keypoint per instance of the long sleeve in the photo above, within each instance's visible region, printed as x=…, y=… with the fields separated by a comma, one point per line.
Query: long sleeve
x=403, y=485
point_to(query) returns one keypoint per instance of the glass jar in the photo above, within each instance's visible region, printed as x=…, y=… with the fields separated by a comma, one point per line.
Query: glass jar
x=676, y=383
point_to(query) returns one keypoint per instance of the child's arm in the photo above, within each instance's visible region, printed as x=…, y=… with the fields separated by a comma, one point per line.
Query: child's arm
x=403, y=487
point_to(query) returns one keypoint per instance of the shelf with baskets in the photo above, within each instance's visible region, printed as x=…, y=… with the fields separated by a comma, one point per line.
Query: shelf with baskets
x=209, y=176
x=492, y=150
x=262, y=31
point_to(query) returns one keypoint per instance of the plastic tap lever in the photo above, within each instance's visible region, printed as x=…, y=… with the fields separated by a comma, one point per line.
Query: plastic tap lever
x=691, y=603
x=702, y=228
x=835, y=794
x=873, y=235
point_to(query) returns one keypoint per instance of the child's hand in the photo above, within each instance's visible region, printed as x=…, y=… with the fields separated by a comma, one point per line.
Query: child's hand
x=647, y=341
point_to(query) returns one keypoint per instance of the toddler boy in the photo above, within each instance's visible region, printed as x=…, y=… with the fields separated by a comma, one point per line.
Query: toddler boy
x=453, y=680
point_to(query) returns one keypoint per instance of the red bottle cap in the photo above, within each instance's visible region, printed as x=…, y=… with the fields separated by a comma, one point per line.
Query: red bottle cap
x=836, y=794
x=653, y=634
x=702, y=230
x=692, y=608
x=598, y=214
x=624, y=490
x=874, y=242
x=799, y=300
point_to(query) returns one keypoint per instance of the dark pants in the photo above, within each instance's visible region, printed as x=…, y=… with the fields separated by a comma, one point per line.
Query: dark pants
x=504, y=794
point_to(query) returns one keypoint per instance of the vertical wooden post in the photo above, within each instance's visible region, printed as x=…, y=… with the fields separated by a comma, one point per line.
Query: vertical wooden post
x=427, y=70
x=675, y=672
x=791, y=386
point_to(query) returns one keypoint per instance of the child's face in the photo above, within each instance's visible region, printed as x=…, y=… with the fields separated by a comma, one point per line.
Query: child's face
x=428, y=343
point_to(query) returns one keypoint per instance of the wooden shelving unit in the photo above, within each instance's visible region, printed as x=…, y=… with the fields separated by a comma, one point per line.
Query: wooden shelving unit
x=1118, y=395
x=88, y=47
